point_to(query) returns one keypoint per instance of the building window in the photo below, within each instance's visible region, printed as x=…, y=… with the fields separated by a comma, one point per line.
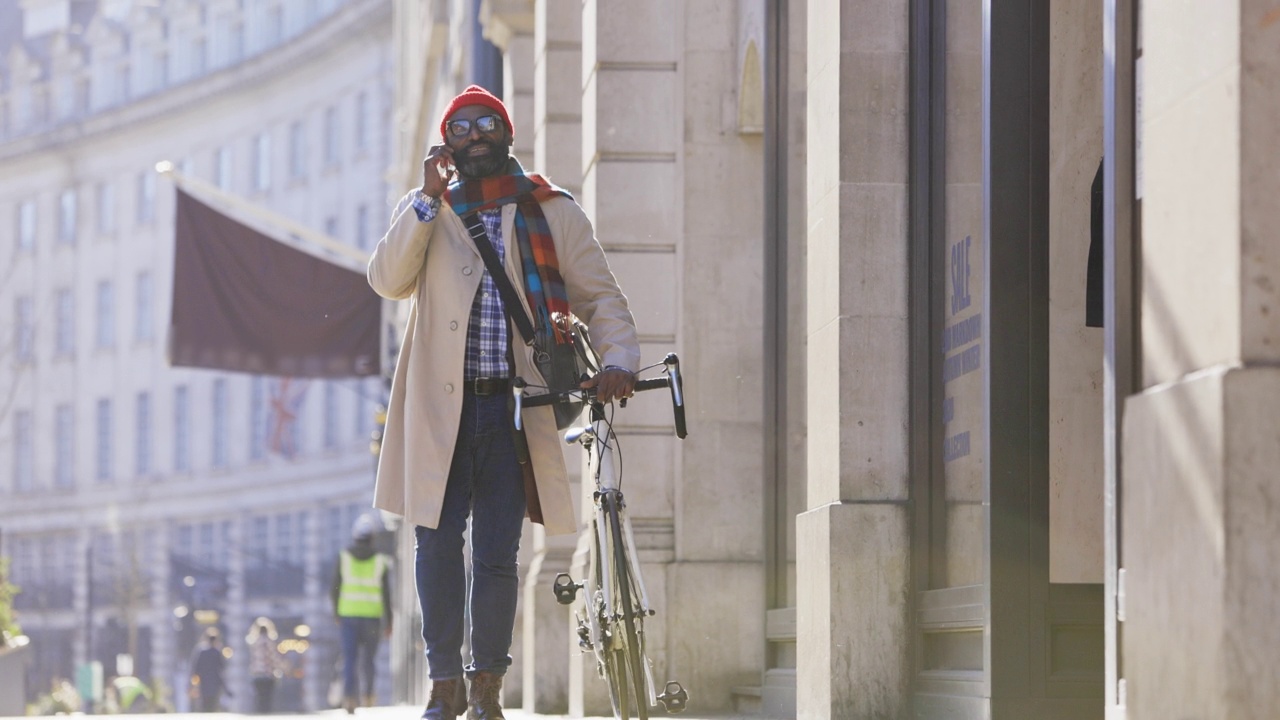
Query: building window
x=27, y=225
x=146, y=197
x=106, y=334
x=181, y=430
x=103, y=464
x=64, y=447
x=199, y=56
x=205, y=552
x=331, y=226
x=259, y=539
x=262, y=162
x=122, y=81
x=330, y=415
x=297, y=150
x=362, y=123
x=258, y=418
x=24, y=329
x=331, y=135
x=222, y=168
x=220, y=423
x=23, y=452
x=65, y=329
x=362, y=227
x=106, y=208
x=67, y=217
x=160, y=65
x=363, y=413
x=284, y=538
x=142, y=449
x=275, y=24
x=184, y=544
x=142, y=330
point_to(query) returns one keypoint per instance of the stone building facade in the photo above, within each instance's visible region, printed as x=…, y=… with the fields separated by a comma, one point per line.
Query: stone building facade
x=141, y=502
x=982, y=421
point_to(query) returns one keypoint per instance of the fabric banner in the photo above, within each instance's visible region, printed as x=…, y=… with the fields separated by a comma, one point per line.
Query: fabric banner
x=245, y=302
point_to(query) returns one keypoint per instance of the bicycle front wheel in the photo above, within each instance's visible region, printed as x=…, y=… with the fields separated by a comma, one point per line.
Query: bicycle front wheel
x=628, y=603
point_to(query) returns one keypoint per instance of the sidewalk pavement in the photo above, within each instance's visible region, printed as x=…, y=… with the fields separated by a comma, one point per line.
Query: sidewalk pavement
x=394, y=712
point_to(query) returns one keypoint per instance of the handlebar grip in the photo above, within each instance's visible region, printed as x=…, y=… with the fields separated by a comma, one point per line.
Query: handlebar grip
x=651, y=384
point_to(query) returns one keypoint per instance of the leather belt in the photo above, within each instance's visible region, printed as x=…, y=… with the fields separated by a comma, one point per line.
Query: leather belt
x=487, y=386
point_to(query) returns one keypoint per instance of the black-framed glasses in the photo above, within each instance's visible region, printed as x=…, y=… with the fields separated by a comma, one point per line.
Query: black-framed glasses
x=462, y=128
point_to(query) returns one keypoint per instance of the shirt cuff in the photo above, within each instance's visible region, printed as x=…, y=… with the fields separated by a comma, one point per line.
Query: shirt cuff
x=425, y=207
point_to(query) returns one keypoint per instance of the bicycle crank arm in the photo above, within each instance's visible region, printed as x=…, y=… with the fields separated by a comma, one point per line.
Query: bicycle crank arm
x=674, y=698
x=565, y=589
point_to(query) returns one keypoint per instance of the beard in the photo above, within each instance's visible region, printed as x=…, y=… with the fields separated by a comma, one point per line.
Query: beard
x=484, y=165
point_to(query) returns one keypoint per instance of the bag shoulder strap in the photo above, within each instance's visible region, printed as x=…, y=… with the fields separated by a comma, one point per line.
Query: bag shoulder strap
x=510, y=300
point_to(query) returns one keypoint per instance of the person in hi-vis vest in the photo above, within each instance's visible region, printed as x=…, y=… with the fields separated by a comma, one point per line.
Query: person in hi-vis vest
x=362, y=603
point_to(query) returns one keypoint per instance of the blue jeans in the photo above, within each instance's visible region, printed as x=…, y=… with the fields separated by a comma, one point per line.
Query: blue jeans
x=359, y=647
x=485, y=481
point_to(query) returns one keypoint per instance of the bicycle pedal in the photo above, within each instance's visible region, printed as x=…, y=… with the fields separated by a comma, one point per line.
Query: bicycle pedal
x=674, y=698
x=565, y=589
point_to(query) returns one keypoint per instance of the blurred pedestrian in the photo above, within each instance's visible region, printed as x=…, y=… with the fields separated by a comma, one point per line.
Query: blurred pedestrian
x=361, y=594
x=207, y=664
x=264, y=662
x=130, y=695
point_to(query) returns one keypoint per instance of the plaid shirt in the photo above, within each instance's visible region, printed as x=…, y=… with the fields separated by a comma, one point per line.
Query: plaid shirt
x=487, y=329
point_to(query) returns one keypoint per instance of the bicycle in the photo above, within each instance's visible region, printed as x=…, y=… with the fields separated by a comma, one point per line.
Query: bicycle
x=612, y=624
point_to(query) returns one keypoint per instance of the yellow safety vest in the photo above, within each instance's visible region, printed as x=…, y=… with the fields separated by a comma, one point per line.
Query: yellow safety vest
x=360, y=594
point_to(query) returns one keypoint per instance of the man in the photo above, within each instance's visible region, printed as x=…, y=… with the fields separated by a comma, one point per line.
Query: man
x=361, y=594
x=449, y=449
x=207, y=664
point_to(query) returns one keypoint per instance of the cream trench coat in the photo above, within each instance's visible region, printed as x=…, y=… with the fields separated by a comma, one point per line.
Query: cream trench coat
x=437, y=268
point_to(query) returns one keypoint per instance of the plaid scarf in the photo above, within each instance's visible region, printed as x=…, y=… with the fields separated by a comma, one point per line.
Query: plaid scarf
x=544, y=287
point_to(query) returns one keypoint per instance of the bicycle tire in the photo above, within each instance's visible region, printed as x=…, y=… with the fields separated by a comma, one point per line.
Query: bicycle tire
x=612, y=662
x=629, y=605
x=615, y=674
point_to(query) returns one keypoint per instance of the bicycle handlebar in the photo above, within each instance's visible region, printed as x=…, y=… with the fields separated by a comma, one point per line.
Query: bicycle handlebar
x=673, y=380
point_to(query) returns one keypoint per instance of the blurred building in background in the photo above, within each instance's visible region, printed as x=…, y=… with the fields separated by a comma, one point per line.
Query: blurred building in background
x=141, y=502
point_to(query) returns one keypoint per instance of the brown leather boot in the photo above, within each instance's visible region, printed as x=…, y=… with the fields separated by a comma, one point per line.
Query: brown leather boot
x=484, y=698
x=448, y=700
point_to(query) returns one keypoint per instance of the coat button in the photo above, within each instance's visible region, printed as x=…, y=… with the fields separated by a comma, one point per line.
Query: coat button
x=448, y=387
x=466, y=271
x=453, y=325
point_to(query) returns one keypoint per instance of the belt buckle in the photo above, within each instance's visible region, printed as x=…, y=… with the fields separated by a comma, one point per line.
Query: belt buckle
x=483, y=386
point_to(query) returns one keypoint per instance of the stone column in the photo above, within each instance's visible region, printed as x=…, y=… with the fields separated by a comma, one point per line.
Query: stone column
x=236, y=616
x=675, y=192
x=557, y=153
x=164, y=655
x=1201, y=443
x=853, y=555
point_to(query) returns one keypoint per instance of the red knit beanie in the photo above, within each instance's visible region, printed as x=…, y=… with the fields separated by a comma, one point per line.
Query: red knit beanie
x=476, y=95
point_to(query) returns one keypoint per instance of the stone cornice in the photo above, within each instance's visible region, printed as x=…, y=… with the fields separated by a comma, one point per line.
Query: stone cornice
x=504, y=19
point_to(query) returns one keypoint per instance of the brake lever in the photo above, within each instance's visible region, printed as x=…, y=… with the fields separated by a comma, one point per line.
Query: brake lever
x=672, y=364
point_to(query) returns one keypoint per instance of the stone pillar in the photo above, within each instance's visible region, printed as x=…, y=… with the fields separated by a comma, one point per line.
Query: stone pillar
x=557, y=153
x=675, y=192
x=853, y=555
x=1201, y=444
x=236, y=617
x=164, y=655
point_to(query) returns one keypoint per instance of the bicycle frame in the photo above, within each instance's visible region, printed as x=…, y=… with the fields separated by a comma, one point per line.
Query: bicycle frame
x=617, y=601
x=600, y=466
